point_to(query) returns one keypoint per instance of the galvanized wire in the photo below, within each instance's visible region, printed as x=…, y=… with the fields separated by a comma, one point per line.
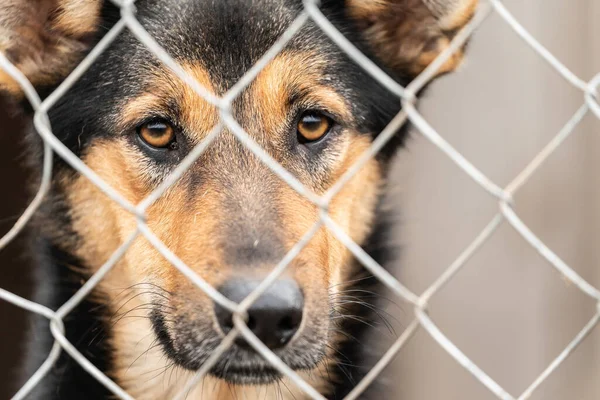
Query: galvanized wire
x=407, y=96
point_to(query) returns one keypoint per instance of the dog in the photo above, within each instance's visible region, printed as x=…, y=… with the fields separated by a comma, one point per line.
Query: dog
x=230, y=218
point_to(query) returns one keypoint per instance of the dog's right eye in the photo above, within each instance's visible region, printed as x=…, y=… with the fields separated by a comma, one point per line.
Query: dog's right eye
x=158, y=134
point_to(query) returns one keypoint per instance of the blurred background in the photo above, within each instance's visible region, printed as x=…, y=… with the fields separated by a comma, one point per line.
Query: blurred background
x=508, y=310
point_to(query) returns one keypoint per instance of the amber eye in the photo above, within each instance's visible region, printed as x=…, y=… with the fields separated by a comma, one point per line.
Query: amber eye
x=159, y=134
x=313, y=126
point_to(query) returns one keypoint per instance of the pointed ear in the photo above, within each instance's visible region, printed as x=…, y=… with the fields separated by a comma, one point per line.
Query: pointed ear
x=45, y=38
x=406, y=35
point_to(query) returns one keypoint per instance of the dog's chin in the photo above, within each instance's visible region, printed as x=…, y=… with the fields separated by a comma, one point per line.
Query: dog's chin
x=239, y=364
x=243, y=366
x=246, y=376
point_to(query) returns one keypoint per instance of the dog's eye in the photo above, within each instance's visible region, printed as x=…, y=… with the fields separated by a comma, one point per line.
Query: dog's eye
x=312, y=126
x=159, y=134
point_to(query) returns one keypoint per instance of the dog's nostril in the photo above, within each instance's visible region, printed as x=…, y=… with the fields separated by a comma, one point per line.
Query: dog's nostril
x=274, y=318
x=286, y=323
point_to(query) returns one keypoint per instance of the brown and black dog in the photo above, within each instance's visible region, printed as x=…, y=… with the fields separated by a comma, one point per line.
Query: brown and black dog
x=229, y=218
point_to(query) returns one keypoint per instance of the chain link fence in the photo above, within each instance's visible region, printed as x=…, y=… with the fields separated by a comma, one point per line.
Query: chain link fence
x=407, y=95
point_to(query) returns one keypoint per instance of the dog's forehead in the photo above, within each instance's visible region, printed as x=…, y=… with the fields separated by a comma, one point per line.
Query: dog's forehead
x=226, y=37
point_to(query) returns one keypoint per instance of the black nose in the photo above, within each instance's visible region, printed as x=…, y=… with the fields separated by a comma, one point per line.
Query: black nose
x=274, y=317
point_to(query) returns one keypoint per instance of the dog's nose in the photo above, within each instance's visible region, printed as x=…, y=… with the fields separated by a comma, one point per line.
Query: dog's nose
x=274, y=317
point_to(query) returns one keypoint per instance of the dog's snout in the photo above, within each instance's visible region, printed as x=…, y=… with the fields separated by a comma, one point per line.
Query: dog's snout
x=274, y=317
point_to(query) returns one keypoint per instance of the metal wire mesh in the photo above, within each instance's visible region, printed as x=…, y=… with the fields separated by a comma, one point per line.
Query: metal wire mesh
x=407, y=95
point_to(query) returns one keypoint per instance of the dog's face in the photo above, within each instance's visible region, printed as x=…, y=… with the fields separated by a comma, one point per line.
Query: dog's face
x=230, y=218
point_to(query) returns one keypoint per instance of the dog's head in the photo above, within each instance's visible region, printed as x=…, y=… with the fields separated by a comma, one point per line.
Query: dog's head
x=230, y=218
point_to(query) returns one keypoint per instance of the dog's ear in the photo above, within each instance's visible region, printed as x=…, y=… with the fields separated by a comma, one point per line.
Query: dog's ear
x=406, y=35
x=45, y=38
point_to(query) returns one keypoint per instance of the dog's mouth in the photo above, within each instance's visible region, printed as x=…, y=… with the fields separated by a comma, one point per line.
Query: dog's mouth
x=240, y=364
x=255, y=371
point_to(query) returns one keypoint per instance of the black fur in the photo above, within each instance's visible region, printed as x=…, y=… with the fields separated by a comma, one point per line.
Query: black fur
x=56, y=282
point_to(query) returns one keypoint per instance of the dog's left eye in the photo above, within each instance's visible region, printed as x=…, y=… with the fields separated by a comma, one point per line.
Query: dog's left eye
x=158, y=134
x=312, y=126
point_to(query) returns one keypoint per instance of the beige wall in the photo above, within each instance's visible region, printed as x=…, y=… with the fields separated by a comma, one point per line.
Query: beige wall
x=508, y=310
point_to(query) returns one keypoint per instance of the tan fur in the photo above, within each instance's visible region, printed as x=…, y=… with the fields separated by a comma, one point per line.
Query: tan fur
x=167, y=87
x=76, y=18
x=197, y=112
x=292, y=72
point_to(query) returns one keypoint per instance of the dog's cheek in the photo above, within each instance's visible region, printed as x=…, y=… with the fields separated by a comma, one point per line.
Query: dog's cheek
x=102, y=223
x=353, y=208
x=185, y=223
